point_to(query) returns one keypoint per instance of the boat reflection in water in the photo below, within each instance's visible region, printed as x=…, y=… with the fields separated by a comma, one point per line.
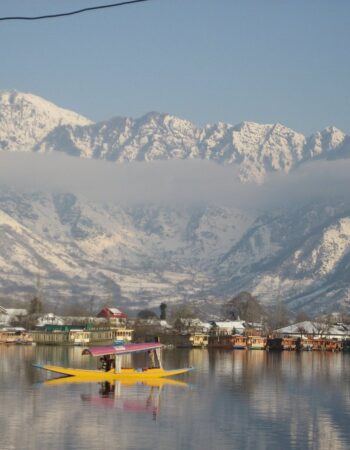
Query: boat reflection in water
x=111, y=395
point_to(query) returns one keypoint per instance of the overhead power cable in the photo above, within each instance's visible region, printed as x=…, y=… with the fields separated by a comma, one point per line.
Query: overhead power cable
x=71, y=13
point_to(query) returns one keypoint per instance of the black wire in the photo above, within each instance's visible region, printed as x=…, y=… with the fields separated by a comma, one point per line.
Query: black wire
x=71, y=13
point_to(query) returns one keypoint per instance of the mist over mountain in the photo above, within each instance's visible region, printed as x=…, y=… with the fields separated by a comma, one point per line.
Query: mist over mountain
x=196, y=214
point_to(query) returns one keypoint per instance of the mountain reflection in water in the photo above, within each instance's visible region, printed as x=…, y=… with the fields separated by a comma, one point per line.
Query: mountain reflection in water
x=234, y=400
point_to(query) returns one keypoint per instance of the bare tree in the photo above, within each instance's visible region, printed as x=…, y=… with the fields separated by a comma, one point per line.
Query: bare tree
x=302, y=316
x=301, y=330
x=182, y=311
x=323, y=325
x=147, y=314
x=278, y=316
x=244, y=306
x=76, y=309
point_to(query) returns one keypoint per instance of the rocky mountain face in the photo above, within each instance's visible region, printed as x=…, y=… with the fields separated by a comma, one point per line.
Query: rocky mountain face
x=26, y=119
x=255, y=148
x=142, y=254
x=300, y=255
x=29, y=123
x=145, y=254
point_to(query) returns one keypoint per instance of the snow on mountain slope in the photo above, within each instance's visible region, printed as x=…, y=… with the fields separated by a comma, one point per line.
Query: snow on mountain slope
x=152, y=137
x=23, y=253
x=333, y=244
x=144, y=252
x=25, y=119
x=324, y=142
x=292, y=254
x=182, y=235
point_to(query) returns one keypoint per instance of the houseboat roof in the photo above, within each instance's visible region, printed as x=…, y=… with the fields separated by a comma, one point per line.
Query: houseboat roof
x=16, y=311
x=230, y=324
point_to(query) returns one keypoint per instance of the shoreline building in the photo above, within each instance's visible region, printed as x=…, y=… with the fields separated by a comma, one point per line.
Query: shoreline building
x=109, y=326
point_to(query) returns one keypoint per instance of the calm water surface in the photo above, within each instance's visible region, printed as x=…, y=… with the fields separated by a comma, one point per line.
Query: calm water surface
x=232, y=400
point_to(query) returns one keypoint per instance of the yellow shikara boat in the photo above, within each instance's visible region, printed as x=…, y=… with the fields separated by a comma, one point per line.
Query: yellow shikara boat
x=151, y=382
x=113, y=369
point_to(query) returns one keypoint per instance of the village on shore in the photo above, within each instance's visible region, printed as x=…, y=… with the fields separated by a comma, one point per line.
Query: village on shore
x=110, y=325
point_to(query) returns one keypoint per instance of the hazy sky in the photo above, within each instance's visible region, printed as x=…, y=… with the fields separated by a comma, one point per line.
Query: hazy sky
x=268, y=61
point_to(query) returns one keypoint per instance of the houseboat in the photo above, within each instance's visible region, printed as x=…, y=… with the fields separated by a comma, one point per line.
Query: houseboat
x=238, y=342
x=199, y=340
x=346, y=345
x=192, y=340
x=218, y=341
x=324, y=344
x=185, y=340
x=280, y=344
x=305, y=344
x=333, y=345
x=15, y=336
x=256, y=343
x=234, y=342
x=72, y=335
x=8, y=337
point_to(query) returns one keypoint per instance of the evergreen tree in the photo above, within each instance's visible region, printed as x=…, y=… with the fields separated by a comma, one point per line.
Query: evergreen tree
x=36, y=305
x=163, y=307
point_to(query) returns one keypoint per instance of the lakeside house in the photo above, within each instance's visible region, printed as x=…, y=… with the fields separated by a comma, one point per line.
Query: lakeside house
x=53, y=319
x=49, y=319
x=8, y=315
x=227, y=327
x=308, y=328
x=192, y=325
x=114, y=316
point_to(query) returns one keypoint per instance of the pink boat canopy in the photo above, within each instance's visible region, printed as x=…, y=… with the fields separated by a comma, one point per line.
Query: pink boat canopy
x=121, y=349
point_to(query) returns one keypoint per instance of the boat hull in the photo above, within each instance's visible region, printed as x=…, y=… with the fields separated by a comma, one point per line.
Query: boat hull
x=152, y=382
x=125, y=374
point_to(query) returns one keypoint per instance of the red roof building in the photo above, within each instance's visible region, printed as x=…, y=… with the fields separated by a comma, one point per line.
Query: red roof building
x=113, y=315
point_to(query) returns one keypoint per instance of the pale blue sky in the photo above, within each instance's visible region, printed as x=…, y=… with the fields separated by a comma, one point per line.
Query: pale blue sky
x=267, y=61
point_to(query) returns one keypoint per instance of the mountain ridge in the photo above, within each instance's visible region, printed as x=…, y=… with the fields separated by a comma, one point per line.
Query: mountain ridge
x=255, y=148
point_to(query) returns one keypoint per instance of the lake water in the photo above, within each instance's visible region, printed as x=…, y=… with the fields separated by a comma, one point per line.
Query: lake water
x=232, y=400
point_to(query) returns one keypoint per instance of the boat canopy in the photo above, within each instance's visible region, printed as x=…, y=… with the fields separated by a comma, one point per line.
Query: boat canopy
x=121, y=349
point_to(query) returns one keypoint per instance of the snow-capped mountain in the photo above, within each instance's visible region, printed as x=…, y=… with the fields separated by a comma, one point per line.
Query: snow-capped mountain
x=145, y=254
x=255, y=148
x=29, y=123
x=25, y=119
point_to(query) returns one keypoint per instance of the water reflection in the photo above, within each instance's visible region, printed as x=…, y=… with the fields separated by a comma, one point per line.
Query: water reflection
x=237, y=400
x=114, y=395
